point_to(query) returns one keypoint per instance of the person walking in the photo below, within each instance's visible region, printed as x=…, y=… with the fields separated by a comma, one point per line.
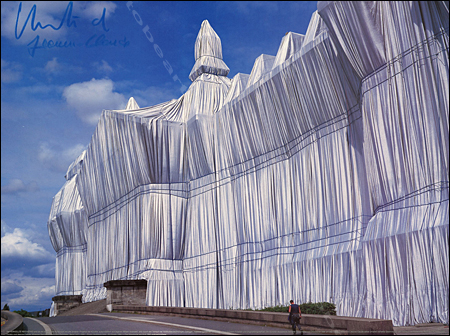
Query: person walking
x=295, y=314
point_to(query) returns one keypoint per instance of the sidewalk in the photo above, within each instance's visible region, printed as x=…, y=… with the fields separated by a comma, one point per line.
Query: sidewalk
x=423, y=329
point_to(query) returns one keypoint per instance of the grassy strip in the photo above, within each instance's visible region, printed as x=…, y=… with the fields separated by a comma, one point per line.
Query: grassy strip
x=319, y=308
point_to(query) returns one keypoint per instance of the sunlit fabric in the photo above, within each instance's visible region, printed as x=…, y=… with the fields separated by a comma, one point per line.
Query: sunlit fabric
x=208, y=53
x=321, y=176
x=290, y=44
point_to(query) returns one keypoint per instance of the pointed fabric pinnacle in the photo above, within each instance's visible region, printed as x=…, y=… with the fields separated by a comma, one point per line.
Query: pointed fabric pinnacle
x=208, y=53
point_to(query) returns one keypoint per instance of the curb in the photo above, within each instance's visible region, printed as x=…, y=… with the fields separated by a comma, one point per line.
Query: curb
x=14, y=322
x=47, y=330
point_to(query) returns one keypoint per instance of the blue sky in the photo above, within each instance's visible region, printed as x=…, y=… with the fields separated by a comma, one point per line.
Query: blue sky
x=52, y=95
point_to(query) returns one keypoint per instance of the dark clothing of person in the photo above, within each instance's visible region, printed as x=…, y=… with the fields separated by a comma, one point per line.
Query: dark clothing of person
x=294, y=317
x=295, y=309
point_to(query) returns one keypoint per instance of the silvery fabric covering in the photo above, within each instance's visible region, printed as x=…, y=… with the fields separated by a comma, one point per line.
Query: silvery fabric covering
x=263, y=64
x=238, y=85
x=208, y=53
x=323, y=177
x=68, y=227
x=290, y=44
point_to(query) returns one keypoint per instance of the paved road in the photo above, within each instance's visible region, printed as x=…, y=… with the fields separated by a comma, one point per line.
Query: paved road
x=119, y=323
x=34, y=325
x=423, y=329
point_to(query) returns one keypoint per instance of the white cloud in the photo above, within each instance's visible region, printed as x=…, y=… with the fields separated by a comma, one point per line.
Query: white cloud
x=90, y=98
x=37, y=235
x=28, y=269
x=44, y=270
x=58, y=160
x=94, y=9
x=16, y=185
x=35, y=293
x=102, y=67
x=10, y=287
x=5, y=228
x=11, y=71
x=47, y=12
x=53, y=66
x=47, y=155
x=18, y=245
x=72, y=153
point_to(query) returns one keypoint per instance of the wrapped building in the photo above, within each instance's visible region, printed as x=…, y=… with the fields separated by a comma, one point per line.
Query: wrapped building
x=320, y=176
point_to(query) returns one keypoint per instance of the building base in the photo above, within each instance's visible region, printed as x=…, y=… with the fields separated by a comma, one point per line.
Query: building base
x=126, y=292
x=66, y=302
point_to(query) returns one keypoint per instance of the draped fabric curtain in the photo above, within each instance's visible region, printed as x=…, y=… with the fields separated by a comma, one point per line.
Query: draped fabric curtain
x=321, y=176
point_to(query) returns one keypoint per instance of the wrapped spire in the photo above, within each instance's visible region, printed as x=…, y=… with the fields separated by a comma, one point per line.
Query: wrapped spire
x=132, y=104
x=208, y=53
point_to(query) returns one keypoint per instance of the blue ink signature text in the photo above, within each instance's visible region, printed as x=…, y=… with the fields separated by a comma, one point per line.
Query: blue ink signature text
x=34, y=27
x=67, y=19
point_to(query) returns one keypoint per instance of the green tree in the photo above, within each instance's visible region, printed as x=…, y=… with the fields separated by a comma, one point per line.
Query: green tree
x=6, y=307
x=22, y=312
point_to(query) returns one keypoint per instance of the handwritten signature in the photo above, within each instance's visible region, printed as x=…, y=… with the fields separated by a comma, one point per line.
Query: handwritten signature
x=68, y=19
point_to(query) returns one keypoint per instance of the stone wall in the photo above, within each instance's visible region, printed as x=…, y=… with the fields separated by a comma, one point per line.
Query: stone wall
x=326, y=324
x=126, y=292
x=66, y=302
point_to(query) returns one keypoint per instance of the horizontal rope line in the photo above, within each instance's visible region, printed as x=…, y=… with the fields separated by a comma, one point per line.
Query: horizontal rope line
x=215, y=264
x=276, y=248
x=286, y=153
x=415, y=193
x=405, y=53
x=246, y=243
